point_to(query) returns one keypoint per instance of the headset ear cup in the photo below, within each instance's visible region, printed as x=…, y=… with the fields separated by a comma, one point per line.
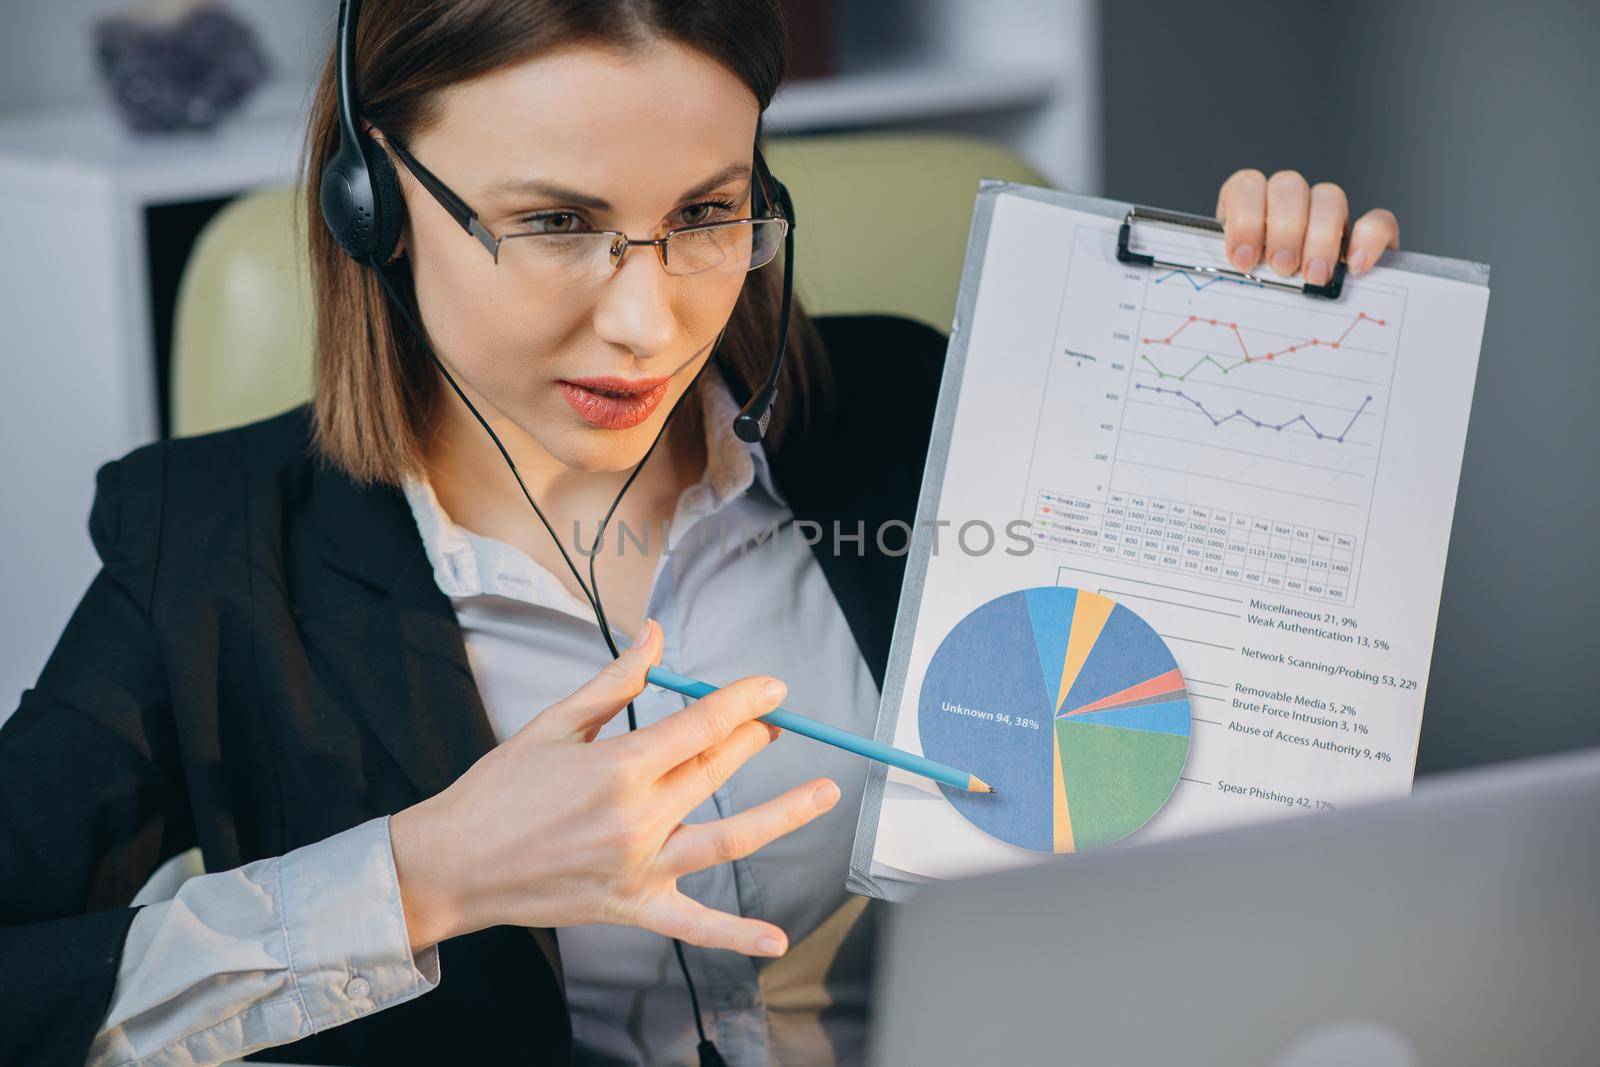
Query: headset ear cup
x=389, y=201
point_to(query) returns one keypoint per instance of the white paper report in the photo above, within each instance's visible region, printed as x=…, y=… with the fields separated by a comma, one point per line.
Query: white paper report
x=1265, y=477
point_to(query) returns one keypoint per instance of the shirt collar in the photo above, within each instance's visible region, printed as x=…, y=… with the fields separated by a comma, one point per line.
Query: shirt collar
x=469, y=564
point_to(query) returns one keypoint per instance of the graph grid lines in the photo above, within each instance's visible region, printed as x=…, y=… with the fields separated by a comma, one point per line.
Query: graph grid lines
x=1237, y=429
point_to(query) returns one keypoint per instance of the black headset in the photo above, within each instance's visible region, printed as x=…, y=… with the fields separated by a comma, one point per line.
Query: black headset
x=364, y=210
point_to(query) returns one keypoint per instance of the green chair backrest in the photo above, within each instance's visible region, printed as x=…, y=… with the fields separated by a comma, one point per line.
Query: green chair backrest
x=883, y=222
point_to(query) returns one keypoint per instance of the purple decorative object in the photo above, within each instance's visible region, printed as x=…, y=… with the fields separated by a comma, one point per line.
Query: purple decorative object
x=179, y=73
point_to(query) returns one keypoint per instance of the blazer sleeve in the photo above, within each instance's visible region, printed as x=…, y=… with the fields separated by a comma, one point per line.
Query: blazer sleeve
x=92, y=796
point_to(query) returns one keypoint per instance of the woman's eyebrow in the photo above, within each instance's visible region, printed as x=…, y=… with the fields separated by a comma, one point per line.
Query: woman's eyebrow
x=740, y=171
x=572, y=196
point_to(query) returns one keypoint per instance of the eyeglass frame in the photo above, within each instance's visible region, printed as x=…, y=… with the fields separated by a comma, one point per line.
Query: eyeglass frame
x=467, y=217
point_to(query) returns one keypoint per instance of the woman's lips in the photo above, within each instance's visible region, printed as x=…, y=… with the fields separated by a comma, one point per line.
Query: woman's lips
x=613, y=403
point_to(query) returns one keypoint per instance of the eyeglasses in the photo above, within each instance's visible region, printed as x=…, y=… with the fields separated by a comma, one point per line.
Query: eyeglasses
x=583, y=257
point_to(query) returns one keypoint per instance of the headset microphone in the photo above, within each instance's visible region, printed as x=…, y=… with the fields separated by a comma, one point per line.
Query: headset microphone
x=751, y=422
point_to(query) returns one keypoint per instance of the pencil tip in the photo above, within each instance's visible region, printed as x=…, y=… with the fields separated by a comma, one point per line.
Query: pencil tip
x=980, y=786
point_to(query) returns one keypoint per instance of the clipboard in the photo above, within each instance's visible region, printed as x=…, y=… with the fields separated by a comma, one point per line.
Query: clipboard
x=1179, y=220
x=898, y=887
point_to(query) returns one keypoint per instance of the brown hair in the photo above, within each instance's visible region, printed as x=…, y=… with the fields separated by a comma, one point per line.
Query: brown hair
x=376, y=390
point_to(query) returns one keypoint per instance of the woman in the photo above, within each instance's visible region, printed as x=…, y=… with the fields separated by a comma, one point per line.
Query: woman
x=331, y=649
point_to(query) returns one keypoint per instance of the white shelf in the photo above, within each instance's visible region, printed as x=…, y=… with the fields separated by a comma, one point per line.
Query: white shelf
x=262, y=144
x=257, y=146
x=909, y=93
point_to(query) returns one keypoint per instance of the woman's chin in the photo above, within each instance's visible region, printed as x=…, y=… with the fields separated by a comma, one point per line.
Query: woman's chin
x=594, y=450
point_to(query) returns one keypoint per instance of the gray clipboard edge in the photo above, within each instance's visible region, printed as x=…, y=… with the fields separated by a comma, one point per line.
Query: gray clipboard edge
x=860, y=878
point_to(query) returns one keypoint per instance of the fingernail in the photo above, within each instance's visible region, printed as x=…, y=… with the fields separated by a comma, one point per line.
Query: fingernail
x=1317, y=271
x=826, y=796
x=1244, y=257
x=773, y=732
x=775, y=690
x=1359, y=261
x=644, y=632
x=771, y=946
x=1283, y=261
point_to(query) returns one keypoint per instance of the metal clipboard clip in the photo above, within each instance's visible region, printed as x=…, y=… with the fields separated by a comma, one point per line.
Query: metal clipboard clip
x=1212, y=228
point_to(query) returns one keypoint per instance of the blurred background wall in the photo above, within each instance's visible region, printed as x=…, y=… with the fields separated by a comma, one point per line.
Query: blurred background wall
x=1478, y=123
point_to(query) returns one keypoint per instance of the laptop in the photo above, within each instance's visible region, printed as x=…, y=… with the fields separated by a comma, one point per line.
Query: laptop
x=1459, y=926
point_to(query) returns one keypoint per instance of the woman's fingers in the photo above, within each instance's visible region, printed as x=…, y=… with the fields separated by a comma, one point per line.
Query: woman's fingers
x=1324, y=232
x=1373, y=232
x=675, y=915
x=707, y=722
x=1242, y=207
x=690, y=782
x=1288, y=206
x=580, y=716
x=1299, y=227
x=695, y=846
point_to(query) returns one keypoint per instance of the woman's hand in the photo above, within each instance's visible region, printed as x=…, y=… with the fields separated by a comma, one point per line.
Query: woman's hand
x=553, y=828
x=1292, y=226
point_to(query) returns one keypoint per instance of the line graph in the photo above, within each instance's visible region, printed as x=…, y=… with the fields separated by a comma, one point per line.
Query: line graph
x=1160, y=387
x=1208, y=283
x=1224, y=368
x=1246, y=356
x=1238, y=413
x=1251, y=339
x=1317, y=411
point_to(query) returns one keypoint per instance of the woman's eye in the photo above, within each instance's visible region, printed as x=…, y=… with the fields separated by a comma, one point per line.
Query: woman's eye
x=554, y=222
x=706, y=211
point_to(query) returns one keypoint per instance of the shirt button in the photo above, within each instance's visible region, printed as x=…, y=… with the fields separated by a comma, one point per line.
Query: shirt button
x=358, y=988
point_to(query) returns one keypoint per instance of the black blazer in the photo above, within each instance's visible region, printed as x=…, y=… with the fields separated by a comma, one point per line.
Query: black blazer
x=264, y=660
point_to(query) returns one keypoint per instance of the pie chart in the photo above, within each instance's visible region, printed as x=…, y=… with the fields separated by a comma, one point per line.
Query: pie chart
x=1070, y=705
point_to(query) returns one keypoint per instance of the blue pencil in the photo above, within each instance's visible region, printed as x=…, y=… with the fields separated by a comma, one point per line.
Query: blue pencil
x=832, y=735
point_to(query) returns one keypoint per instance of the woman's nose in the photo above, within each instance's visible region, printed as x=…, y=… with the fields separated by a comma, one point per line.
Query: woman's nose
x=635, y=305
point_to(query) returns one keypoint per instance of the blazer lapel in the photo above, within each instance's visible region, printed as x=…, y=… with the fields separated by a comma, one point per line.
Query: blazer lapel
x=396, y=638
x=397, y=644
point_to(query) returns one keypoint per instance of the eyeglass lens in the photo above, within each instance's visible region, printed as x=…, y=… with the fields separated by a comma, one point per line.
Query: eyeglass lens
x=572, y=258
